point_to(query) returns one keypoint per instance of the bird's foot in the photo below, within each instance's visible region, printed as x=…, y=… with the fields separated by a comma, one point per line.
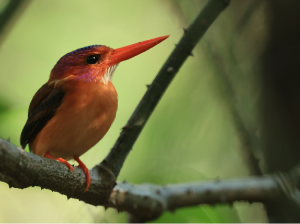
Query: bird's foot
x=49, y=156
x=85, y=170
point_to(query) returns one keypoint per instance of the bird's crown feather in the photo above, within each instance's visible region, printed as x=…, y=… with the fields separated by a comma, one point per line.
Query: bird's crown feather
x=80, y=50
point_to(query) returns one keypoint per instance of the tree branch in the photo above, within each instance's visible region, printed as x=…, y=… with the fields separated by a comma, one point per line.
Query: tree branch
x=137, y=121
x=21, y=169
x=150, y=201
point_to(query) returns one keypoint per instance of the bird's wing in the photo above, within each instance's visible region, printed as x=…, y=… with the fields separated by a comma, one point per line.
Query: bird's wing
x=42, y=108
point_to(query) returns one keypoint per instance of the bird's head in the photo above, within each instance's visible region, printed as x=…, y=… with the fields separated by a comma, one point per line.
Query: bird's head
x=97, y=62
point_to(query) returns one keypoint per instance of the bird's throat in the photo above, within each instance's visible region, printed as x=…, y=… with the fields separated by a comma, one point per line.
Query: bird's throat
x=108, y=74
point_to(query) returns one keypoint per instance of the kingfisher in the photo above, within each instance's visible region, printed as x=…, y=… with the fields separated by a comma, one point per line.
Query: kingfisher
x=75, y=108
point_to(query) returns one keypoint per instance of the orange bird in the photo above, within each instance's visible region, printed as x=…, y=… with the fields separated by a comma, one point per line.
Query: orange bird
x=71, y=112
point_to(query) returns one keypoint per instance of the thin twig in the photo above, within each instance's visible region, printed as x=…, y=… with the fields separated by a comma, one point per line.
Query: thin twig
x=8, y=13
x=247, y=15
x=248, y=141
x=137, y=121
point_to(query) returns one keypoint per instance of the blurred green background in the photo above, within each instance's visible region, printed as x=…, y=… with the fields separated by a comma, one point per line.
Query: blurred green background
x=191, y=136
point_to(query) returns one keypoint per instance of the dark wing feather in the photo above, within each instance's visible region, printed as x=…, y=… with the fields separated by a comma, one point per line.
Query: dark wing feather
x=42, y=108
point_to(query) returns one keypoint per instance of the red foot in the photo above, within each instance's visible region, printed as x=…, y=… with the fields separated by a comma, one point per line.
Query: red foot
x=49, y=156
x=85, y=170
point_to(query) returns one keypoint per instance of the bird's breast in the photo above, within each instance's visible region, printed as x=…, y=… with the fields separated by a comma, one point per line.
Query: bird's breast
x=84, y=117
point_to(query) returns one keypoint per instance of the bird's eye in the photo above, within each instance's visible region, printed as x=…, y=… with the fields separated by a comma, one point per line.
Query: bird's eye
x=92, y=59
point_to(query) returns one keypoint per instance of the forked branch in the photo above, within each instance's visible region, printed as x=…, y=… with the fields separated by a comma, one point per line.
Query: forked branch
x=21, y=169
x=137, y=121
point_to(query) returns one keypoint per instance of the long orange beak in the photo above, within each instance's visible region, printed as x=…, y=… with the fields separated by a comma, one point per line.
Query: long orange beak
x=124, y=53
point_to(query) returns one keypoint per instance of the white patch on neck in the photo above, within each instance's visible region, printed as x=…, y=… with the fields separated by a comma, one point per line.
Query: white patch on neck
x=109, y=73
